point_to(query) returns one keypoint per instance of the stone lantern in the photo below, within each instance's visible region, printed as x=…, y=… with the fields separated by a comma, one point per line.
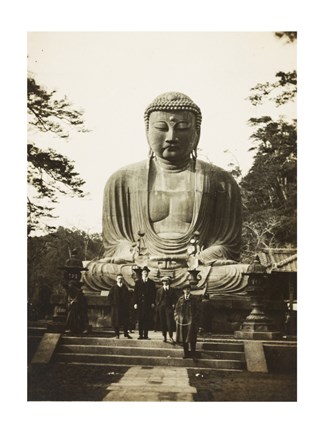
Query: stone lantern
x=257, y=325
x=72, y=272
x=72, y=269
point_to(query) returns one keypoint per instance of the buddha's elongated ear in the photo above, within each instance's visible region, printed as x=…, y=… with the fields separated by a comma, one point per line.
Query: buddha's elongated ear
x=147, y=133
x=151, y=154
x=195, y=144
x=197, y=138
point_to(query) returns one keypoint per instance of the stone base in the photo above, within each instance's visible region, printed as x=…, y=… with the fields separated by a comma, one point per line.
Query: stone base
x=98, y=310
x=220, y=315
x=267, y=335
x=226, y=314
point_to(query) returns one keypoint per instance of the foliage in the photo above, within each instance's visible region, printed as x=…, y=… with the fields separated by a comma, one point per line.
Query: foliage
x=49, y=252
x=49, y=173
x=234, y=167
x=269, y=190
x=290, y=36
x=281, y=91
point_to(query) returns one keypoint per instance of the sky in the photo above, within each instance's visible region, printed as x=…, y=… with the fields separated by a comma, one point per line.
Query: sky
x=113, y=76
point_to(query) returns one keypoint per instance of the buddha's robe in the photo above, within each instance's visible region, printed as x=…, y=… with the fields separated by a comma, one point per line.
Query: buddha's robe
x=216, y=214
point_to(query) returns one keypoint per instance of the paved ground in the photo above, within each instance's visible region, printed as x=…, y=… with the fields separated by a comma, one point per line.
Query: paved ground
x=61, y=382
x=152, y=384
x=220, y=386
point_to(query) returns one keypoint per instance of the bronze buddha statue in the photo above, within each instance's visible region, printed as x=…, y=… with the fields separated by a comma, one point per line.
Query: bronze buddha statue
x=168, y=199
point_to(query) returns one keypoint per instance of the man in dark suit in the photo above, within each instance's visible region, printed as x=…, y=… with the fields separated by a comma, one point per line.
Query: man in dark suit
x=144, y=302
x=119, y=301
x=186, y=315
x=77, y=317
x=165, y=300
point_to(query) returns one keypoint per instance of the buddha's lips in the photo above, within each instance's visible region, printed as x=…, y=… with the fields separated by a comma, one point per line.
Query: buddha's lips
x=171, y=147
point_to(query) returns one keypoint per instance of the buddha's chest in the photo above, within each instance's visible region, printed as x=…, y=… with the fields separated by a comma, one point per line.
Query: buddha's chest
x=171, y=201
x=175, y=203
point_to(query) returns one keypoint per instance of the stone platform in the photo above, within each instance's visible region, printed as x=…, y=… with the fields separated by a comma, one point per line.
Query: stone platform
x=219, y=352
x=221, y=314
x=103, y=350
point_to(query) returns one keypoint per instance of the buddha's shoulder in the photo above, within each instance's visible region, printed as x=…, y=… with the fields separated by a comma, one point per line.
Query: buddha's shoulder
x=124, y=177
x=131, y=169
x=213, y=170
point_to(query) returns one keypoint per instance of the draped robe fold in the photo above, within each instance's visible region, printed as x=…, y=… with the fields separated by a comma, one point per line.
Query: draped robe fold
x=216, y=215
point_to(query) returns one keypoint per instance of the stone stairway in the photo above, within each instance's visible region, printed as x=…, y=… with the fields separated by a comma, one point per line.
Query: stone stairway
x=101, y=350
x=34, y=334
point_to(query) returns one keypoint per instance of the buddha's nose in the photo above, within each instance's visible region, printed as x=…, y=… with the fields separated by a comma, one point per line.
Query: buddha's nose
x=171, y=136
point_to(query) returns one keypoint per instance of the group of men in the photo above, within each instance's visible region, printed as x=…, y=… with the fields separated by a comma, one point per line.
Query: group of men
x=174, y=314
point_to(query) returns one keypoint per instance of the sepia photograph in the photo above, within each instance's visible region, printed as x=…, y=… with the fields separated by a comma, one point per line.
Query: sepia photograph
x=162, y=216
x=162, y=186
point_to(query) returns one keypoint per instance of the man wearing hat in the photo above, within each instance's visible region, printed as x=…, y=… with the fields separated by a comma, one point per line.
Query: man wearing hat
x=77, y=317
x=119, y=300
x=186, y=315
x=144, y=302
x=165, y=301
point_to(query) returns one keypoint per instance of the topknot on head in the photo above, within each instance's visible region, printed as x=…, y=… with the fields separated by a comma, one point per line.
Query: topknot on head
x=173, y=101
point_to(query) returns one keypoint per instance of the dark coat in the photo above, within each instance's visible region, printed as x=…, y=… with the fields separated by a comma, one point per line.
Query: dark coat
x=165, y=302
x=119, y=300
x=168, y=298
x=77, y=316
x=186, y=315
x=144, y=297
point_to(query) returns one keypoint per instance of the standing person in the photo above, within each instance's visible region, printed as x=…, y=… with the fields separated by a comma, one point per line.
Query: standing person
x=77, y=317
x=165, y=301
x=144, y=303
x=119, y=301
x=186, y=316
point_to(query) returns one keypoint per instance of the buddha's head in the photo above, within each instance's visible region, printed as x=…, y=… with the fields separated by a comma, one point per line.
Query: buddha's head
x=173, y=126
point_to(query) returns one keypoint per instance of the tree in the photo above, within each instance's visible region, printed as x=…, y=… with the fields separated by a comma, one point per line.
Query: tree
x=269, y=189
x=49, y=174
x=280, y=92
x=290, y=36
x=47, y=253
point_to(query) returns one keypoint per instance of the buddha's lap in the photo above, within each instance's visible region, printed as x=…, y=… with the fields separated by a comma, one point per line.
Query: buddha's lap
x=224, y=279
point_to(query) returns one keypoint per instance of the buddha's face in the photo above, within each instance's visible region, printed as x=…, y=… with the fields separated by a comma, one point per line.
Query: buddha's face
x=172, y=135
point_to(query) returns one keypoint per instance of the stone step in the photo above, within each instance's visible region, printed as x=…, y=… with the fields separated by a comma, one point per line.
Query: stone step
x=221, y=355
x=35, y=338
x=126, y=360
x=153, y=343
x=59, y=318
x=174, y=351
x=56, y=327
x=36, y=331
x=221, y=346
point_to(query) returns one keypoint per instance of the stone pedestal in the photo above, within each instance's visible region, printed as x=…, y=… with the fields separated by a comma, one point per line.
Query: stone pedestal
x=220, y=315
x=226, y=314
x=257, y=325
x=257, y=335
